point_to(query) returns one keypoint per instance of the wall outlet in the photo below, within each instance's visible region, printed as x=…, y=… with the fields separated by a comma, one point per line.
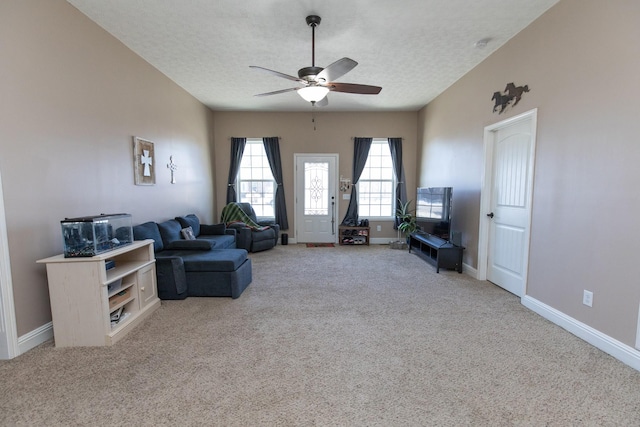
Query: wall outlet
x=587, y=298
x=379, y=228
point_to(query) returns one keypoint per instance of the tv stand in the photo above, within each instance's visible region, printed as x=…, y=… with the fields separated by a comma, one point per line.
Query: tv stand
x=437, y=251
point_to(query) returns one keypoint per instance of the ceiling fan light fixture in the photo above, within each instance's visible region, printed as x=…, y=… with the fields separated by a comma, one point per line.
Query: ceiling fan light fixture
x=313, y=93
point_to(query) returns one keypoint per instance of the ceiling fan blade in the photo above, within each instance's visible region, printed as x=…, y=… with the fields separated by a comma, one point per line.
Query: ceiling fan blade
x=278, y=92
x=279, y=74
x=323, y=102
x=336, y=70
x=354, y=88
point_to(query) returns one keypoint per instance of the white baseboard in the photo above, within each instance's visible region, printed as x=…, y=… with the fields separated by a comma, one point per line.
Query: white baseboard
x=624, y=353
x=638, y=331
x=372, y=241
x=469, y=271
x=36, y=337
x=379, y=240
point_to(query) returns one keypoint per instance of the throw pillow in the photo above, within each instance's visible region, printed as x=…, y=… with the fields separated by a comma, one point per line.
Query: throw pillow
x=148, y=230
x=190, y=220
x=187, y=233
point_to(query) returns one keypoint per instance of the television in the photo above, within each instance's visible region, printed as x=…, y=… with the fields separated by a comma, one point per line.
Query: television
x=433, y=211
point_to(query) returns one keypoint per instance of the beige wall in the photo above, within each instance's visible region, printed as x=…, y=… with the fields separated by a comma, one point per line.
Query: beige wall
x=581, y=60
x=71, y=99
x=333, y=134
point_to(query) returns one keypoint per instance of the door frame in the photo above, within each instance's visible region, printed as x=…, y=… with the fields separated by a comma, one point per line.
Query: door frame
x=486, y=193
x=8, y=331
x=297, y=156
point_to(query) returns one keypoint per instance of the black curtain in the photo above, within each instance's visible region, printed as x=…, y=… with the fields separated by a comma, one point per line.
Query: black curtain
x=237, y=148
x=360, y=153
x=395, y=146
x=272, y=148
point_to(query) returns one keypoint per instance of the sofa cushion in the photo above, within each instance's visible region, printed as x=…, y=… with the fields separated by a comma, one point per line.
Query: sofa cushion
x=170, y=231
x=225, y=241
x=213, y=229
x=215, y=260
x=191, y=245
x=190, y=220
x=149, y=230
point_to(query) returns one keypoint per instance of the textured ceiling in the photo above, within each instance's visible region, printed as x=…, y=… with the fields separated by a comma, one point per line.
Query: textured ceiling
x=414, y=49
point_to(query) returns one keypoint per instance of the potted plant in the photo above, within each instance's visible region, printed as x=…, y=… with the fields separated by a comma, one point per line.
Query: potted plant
x=408, y=222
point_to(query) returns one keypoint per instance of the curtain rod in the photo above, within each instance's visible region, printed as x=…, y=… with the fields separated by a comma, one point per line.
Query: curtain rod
x=354, y=137
x=254, y=137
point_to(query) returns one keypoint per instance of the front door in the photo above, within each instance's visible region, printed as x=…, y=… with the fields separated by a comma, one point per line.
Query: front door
x=315, y=198
x=510, y=194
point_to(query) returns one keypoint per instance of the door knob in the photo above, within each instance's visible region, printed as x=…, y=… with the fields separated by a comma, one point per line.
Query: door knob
x=490, y=215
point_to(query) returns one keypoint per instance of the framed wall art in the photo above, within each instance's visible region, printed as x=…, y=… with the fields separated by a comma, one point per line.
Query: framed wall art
x=143, y=162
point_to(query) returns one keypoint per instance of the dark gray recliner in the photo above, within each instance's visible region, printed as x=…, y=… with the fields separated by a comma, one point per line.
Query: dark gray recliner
x=255, y=240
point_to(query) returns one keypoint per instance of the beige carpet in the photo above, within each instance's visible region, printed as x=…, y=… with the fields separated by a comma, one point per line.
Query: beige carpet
x=344, y=336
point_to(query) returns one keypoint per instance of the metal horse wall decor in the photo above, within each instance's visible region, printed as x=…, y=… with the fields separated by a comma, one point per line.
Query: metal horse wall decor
x=511, y=97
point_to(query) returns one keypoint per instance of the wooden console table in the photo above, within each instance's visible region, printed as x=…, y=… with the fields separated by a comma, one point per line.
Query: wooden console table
x=437, y=251
x=85, y=294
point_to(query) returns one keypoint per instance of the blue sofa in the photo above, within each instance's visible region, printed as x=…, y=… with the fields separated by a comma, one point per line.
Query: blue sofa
x=208, y=266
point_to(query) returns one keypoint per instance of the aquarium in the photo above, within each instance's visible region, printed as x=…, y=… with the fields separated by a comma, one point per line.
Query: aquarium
x=92, y=235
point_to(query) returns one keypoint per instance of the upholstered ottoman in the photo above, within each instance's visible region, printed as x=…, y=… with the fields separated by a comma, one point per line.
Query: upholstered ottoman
x=217, y=273
x=214, y=273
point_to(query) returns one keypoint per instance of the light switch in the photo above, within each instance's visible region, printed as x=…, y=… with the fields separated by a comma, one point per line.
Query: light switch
x=346, y=196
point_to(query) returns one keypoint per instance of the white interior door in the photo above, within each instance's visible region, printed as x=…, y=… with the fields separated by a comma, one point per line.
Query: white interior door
x=316, y=205
x=508, y=211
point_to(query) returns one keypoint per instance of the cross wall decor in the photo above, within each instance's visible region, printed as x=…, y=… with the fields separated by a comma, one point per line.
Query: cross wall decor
x=143, y=164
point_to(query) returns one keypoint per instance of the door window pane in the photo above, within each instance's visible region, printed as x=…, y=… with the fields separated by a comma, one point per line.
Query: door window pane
x=316, y=188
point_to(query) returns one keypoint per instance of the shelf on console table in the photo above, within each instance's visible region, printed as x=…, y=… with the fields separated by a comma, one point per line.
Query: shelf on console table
x=437, y=251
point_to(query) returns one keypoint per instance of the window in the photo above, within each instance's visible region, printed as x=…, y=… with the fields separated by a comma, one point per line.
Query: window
x=376, y=187
x=255, y=179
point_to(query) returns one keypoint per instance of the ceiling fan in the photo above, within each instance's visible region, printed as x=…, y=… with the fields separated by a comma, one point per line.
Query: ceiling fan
x=317, y=82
